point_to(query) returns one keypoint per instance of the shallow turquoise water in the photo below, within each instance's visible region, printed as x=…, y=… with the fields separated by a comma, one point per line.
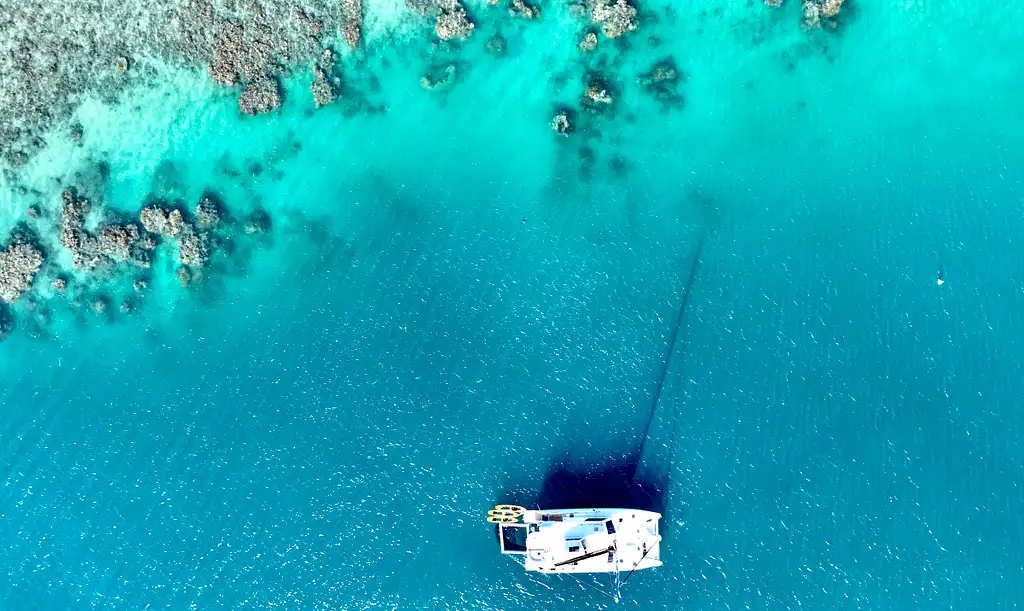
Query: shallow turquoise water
x=448, y=311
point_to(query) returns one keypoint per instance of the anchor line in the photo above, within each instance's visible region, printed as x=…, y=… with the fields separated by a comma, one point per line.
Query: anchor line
x=672, y=342
x=628, y=575
x=590, y=585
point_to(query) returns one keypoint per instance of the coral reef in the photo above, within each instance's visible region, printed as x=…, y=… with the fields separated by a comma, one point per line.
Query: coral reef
x=208, y=212
x=251, y=50
x=193, y=240
x=615, y=17
x=105, y=249
x=193, y=247
x=260, y=95
x=184, y=276
x=588, y=43
x=352, y=18
x=257, y=223
x=523, y=10
x=597, y=96
x=438, y=78
x=497, y=45
x=452, y=22
x=113, y=243
x=812, y=15
x=19, y=264
x=830, y=8
x=661, y=82
x=6, y=323
x=326, y=83
x=99, y=305
x=52, y=52
x=817, y=13
x=561, y=124
x=161, y=221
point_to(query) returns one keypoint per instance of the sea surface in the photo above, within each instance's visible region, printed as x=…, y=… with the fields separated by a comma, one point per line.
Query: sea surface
x=456, y=307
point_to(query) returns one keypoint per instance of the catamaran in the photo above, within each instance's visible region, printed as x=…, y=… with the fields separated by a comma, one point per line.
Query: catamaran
x=580, y=540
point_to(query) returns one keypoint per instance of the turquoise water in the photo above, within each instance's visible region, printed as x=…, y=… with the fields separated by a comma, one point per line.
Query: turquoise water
x=454, y=303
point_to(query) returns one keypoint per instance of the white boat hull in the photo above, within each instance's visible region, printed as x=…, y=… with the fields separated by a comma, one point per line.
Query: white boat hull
x=594, y=540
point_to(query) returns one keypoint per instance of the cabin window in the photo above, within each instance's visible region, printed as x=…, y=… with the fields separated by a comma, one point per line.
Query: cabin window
x=574, y=548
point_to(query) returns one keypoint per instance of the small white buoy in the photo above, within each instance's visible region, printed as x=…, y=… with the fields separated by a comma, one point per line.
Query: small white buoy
x=940, y=282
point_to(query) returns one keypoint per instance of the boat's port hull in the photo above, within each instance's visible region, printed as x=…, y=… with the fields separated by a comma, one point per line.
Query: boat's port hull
x=647, y=563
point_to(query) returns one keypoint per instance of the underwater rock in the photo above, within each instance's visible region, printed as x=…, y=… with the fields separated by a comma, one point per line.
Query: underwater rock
x=121, y=64
x=497, y=45
x=773, y=3
x=99, y=305
x=19, y=264
x=34, y=212
x=207, y=212
x=439, y=78
x=168, y=223
x=260, y=96
x=141, y=285
x=76, y=132
x=560, y=123
x=522, y=10
x=452, y=22
x=616, y=17
x=257, y=223
x=588, y=43
x=127, y=307
x=59, y=283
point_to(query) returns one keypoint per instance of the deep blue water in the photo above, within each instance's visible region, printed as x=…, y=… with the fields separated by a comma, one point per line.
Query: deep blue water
x=449, y=312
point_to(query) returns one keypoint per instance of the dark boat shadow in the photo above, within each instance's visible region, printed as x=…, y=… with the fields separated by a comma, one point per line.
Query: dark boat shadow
x=612, y=485
x=619, y=484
